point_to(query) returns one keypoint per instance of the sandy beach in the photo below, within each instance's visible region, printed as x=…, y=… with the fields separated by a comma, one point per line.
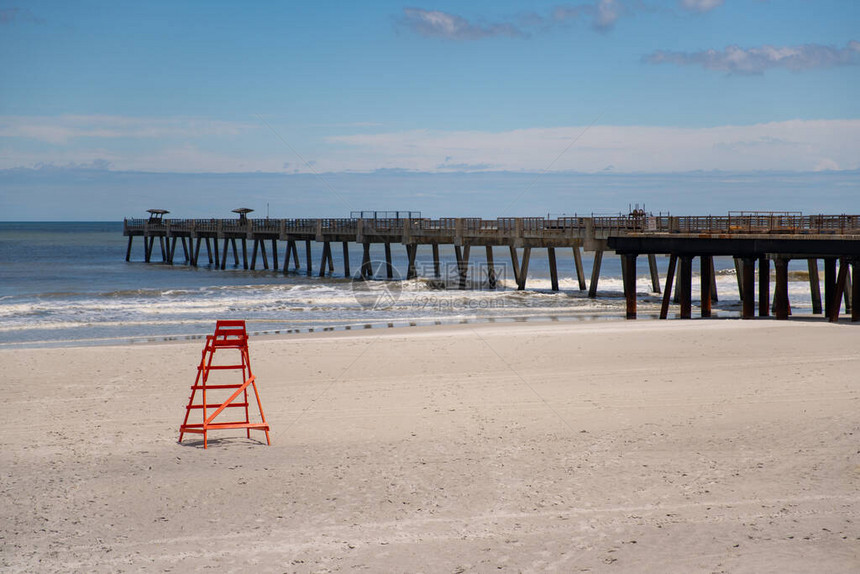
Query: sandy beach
x=701, y=446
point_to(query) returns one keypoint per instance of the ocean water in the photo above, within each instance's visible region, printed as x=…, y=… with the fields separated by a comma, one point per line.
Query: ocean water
x=69, y=284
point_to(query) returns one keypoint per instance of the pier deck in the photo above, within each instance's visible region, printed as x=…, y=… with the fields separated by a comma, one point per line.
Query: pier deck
x=748, y=237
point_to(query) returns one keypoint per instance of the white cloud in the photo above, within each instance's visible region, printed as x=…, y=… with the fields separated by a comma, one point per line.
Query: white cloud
x=797, y=145
x=62, y=129
x=444, y=25
x=701, y=5
x=607, y=12
x=737, y=60
x=603, y=14
x=792, y=146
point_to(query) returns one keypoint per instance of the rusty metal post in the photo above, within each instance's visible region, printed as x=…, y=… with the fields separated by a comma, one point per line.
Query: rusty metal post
x=780, y=296
x=706, y=262
x=748, y=292
x=763, y=287
x=667, y=292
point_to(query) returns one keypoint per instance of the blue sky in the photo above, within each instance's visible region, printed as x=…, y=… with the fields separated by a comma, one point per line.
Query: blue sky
x=399, y=93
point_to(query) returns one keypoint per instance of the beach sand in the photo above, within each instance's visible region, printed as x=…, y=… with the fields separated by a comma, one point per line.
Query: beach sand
x=675, y=446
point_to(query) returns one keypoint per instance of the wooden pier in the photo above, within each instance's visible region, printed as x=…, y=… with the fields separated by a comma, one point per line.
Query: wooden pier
x=749, y=237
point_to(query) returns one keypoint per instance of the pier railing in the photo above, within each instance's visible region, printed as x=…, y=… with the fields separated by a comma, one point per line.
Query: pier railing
x=515, y=226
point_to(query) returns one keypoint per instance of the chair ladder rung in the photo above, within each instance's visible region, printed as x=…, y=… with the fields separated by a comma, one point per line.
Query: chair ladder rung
x=217, y=405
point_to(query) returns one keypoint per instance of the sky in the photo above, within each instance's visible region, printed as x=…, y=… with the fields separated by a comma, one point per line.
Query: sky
x=454, y=109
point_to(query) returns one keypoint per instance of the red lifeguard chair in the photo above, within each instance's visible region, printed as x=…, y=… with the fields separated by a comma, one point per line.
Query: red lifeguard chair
x=228, y=335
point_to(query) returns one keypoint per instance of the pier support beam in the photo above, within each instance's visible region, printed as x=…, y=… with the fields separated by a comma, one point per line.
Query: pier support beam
x=147, y=248
x=224, y=252
x=814, y=286
x=580, y=274
x=254, y=255
x=245, y=254
x=295, y=250
x=462, y=254
x=235, y=252
x=829, y=284
x=346, y=272
x=436, y=273
x=655, y=275
x=274, y=254
x=748, y=288
x=195, y=254
x=411, y=254
x=389, y=268
x=628, y=266
x=763, y=287
x=706, y=263
x=714, y=296
x=855, y=291
x=366, y=268
x=491, y=268
x=326, y=255
x=524, y=269
x=128, y=249
x=515, y=263
x=780, y=294
x=595, y=274
x=171, y=249
x=310, y=263
x=263, y=253
x=838, y=289
x=553, y=270
x=739, y=273
x=685, y=286
x=667, y=291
